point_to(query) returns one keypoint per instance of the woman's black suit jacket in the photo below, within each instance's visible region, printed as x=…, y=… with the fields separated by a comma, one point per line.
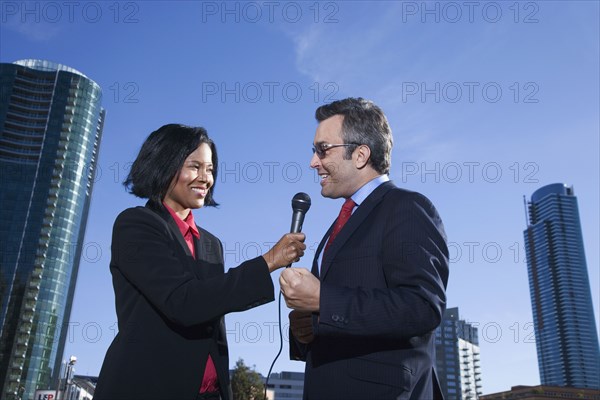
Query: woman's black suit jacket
x=170, y=308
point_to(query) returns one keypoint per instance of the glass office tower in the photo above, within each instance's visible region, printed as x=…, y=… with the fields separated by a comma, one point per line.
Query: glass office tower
x=563, y=316
x=51, y=123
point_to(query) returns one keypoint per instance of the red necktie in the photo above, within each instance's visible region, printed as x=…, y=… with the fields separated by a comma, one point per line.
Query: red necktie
x=345, y=214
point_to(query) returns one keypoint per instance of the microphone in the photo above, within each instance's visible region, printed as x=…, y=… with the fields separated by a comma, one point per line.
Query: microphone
x=300, y=205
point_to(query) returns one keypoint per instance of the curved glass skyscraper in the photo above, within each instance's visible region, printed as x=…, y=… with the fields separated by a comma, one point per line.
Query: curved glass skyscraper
x=563, y=316
x=51, y=122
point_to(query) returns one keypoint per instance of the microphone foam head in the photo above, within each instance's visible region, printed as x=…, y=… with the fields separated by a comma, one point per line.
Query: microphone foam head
x=301, y=202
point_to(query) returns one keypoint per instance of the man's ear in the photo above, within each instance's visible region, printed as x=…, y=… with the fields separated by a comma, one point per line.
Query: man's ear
x=362, y=154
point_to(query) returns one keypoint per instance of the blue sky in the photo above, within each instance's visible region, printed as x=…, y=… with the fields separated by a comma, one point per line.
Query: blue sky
x=488, y=102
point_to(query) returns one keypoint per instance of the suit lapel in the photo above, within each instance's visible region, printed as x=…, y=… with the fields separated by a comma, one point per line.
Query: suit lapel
x=201, y=245
x=162, y=211
x=315, y=267
x=357, y=218
x=206, y=250
x=175, y=229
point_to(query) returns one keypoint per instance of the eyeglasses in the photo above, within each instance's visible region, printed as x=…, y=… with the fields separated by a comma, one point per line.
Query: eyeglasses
x=321, y=149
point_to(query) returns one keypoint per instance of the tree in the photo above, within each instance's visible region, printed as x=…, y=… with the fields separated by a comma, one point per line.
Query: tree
x=246, y=383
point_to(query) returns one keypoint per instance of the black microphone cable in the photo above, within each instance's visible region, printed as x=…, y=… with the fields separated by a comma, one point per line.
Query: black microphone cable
x=300, y=205
x=280, y=347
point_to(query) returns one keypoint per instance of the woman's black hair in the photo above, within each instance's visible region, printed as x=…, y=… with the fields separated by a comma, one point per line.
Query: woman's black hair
x=161, y=158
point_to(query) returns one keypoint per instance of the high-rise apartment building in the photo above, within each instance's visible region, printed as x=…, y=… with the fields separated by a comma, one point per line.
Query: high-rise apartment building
x=457, y=358
x=51, y=122
x=563, y=316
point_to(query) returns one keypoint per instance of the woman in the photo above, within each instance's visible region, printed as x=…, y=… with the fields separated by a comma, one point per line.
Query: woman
x=171, y=291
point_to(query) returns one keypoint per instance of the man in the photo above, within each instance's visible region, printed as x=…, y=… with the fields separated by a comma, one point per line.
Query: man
x=364, y=319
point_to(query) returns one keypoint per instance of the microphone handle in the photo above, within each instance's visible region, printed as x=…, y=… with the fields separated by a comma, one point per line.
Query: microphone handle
x=297, y=221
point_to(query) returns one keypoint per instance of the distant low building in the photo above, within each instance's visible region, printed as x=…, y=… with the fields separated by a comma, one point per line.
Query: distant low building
x=543, y=392
x=82, y=387
x=286, y=385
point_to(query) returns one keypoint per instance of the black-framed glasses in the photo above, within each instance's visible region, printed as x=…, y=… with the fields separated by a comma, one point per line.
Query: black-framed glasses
x=321, y=148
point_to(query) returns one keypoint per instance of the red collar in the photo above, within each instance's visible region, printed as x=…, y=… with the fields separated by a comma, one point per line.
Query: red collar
x=186, y=224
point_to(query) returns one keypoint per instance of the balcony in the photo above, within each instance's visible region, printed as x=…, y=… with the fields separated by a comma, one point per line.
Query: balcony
x=26, y=125
x=24, y=330
x=31, y=296
x=16, y=114
x=24, y=77
x=32, y=99
x=22, y=341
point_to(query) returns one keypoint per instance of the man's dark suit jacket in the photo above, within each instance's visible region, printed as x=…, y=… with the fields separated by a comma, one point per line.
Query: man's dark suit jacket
x=383, y=283
x=170, y=308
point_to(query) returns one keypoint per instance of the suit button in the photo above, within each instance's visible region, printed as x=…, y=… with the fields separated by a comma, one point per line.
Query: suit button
x=335, y=317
